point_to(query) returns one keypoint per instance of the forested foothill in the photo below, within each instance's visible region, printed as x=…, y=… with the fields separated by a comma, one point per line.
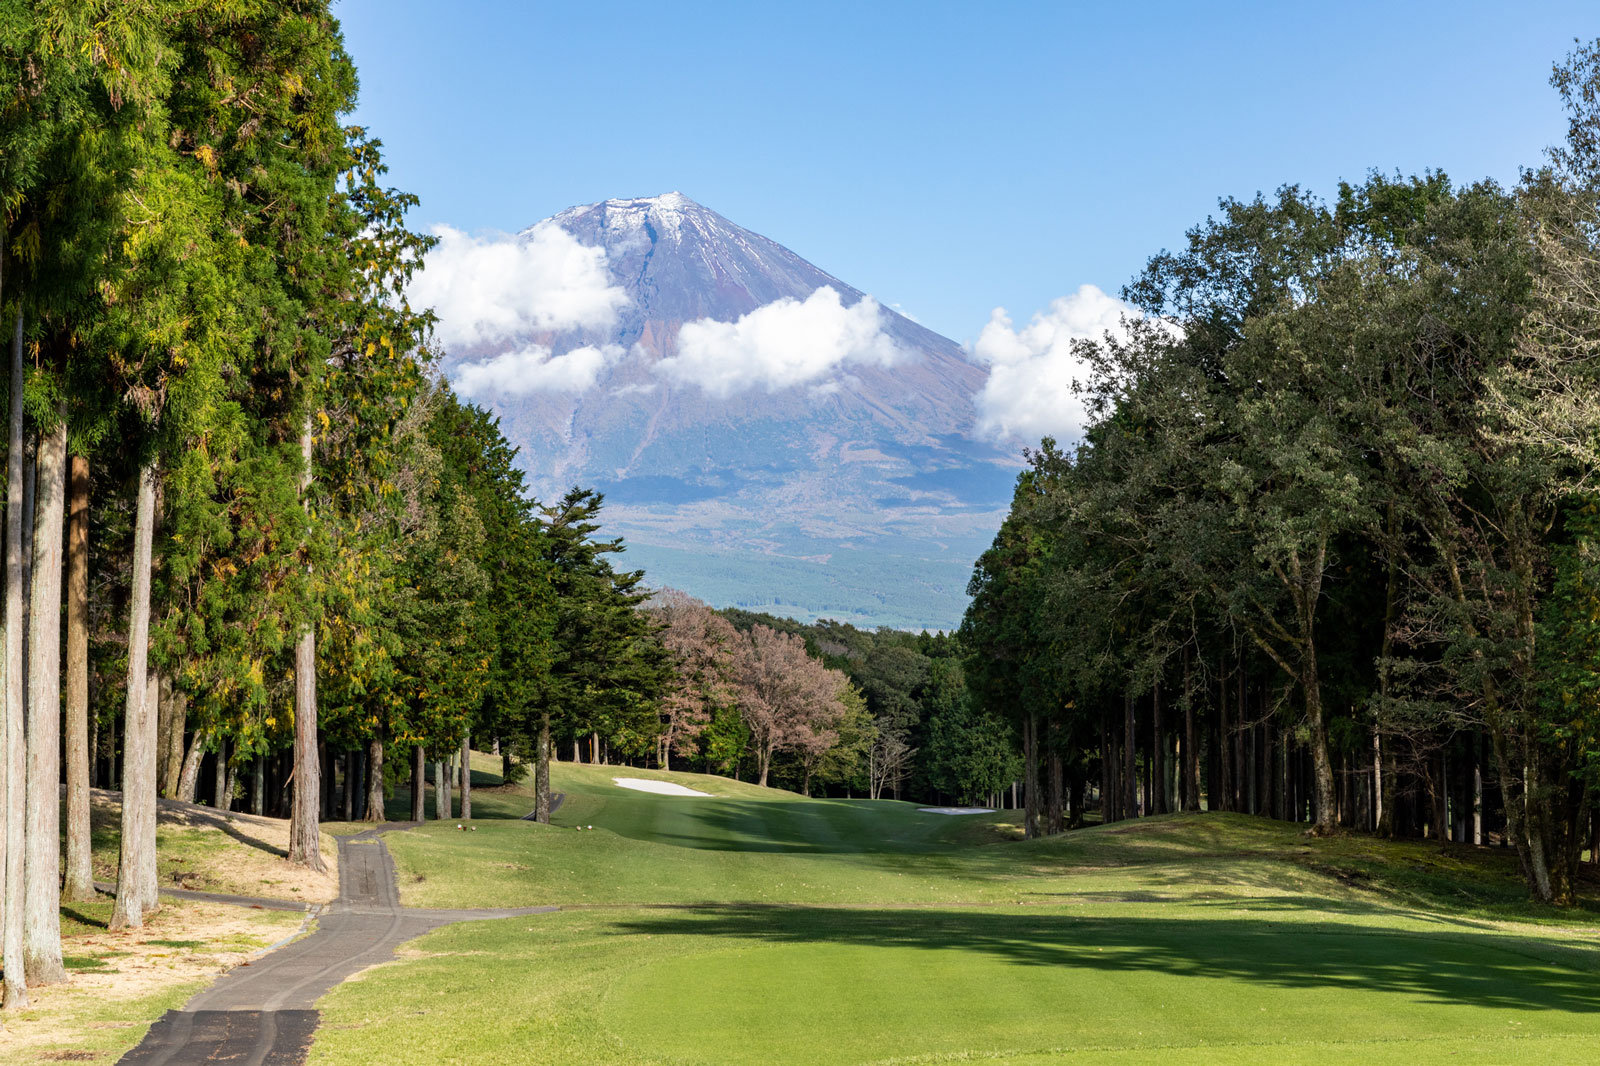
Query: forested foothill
x=1329, y=548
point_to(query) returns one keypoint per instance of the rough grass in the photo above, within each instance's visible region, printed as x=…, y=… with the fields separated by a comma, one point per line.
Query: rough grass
x=760, y=927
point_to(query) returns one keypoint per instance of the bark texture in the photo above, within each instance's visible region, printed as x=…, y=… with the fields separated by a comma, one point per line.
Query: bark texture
x=541, y=772
x=305, y=841
x=16, y=989
x=136, y=869
x=375, y=780
x=41, y=934
x=466, y=776
x=418, y=760
x=441, y=789
x=189, y=777
x=79, y=885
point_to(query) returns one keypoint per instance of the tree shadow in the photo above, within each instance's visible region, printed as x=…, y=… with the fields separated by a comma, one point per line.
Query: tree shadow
x=782, y=828
x=1442, y=966
x=230, y=825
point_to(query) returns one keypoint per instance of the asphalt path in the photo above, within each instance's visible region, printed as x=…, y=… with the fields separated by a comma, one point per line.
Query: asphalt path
x=262, y=1013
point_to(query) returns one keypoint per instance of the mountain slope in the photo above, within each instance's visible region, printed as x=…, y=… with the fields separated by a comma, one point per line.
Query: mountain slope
x=852, y=487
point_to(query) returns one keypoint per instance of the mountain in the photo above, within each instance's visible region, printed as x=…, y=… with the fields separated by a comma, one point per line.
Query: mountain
x=761, y=441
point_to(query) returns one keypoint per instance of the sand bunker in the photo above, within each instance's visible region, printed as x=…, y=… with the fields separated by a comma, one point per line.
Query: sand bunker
x=956, y=810
x=662, y=788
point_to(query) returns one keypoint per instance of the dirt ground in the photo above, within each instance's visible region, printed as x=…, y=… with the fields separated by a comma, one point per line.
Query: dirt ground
x=206, y=850
x=121, y=982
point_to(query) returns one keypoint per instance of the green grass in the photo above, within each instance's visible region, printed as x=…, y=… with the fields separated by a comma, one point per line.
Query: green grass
x=760, y=927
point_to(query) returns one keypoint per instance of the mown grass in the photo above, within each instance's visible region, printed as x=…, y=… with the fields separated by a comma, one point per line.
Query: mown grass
x=759, y=927
x=763, y=845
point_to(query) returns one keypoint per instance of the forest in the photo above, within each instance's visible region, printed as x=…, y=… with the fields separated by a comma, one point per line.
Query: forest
x=1329, y=549
x=254, y=545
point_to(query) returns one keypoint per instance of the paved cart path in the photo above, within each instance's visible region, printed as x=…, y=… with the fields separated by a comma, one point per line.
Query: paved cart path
x=262, y=1013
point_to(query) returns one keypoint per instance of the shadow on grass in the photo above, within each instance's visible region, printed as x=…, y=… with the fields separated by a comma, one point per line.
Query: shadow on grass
x=820, y=828
x=1442, y=967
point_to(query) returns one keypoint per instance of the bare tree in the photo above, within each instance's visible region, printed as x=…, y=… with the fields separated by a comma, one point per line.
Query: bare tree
x=702, y=644
x=887, y=762
x=788, y=699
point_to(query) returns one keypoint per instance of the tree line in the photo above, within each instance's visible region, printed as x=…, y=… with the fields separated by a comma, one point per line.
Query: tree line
x=874, y=713
x=256, y=550
x=1329, y=548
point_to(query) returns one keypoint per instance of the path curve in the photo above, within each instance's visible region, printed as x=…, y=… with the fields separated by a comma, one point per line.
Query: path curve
x=262, y=1013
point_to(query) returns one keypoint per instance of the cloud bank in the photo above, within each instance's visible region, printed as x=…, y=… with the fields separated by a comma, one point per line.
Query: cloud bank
x=784, y=343
x=534, y=369
x=1029, y=393
x=494, y=288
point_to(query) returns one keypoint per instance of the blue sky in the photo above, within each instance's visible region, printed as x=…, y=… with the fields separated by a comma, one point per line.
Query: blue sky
x=947, y=158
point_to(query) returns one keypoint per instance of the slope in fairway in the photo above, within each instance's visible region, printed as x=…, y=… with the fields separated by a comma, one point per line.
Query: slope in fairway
x=901, y=937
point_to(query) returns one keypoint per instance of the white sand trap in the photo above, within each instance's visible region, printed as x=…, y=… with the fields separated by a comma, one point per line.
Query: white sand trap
x=661, y=788
x=956, y=810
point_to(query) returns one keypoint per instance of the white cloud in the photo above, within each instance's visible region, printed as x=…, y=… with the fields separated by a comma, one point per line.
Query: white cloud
x=783, y=343
x=1029, y=393
x=534, y=369
x=499, y=287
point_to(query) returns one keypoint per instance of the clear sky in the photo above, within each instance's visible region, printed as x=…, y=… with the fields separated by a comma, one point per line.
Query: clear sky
x=947, y=158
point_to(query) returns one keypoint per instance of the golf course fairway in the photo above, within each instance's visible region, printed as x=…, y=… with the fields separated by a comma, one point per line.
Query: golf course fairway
x=754, y=926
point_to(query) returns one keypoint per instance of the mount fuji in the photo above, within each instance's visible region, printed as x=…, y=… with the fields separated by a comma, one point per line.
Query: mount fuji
x=766, y=435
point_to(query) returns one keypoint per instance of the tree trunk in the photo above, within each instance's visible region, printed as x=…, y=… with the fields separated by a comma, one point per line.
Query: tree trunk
x=1056, y=820
x=1030, y=776
x=541, y=772
x=258, y=785
x=1439, y=797
x=763, y=761
x=1107, y=770
x=1130, y=771
x=1321, y=768
x=230, y=787
x=375, y=811
x=136, y=869
x=14, y=751
x=1191, y=743
x=219, y=776
x=419, y=811
x=441, y=790
x=79, y=885
x=42, y=874
x=347, y=790
x=1223, y=802
x=166, y=782
x=189, y=779
x=1158, y=750
x=305, y=840
x=466, y=776
x=176, y=702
